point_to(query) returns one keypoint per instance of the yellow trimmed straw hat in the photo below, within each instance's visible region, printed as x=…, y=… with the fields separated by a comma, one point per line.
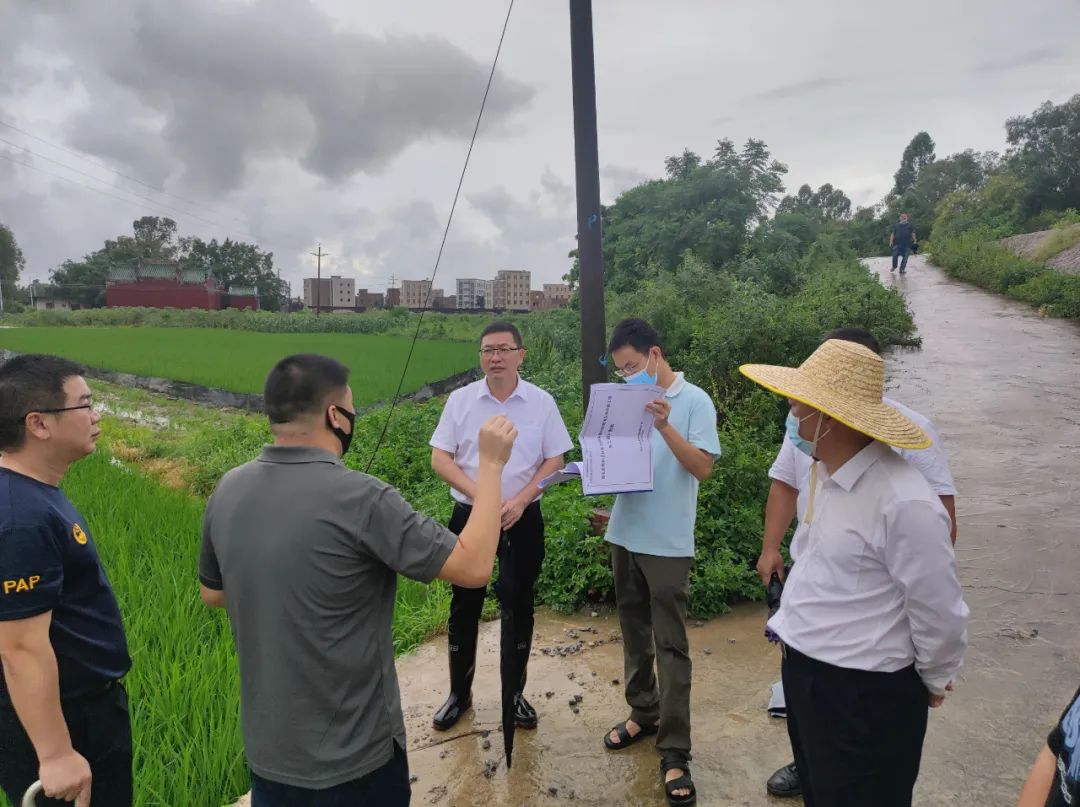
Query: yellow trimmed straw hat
x=845, y=381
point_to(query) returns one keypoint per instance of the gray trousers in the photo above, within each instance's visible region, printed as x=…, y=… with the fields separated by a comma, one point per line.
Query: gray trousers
x=652, y=594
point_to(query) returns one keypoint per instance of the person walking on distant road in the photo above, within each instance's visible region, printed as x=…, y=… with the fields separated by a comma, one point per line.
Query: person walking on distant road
x=902, y=239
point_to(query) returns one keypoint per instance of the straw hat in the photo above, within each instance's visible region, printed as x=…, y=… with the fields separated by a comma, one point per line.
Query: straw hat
x=845, y=381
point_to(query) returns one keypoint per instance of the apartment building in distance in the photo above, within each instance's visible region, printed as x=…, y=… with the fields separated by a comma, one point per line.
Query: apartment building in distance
x=512, y=288
x=415, y=293
x=419, y=294
x=334, y=293
x=557, y=295
x=475, y=294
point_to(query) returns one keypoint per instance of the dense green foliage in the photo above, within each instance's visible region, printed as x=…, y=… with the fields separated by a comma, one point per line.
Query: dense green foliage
x=976, y=257
x=239, y=360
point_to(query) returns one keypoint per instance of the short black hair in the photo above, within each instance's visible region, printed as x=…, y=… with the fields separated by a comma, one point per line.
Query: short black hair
x=859, y=336
x=30, y=383
x=503, y=327
x=636, y=333
x=301, y=385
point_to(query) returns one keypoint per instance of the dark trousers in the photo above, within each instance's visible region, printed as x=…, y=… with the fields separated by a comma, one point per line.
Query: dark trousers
x=386, y=787
x=857, y=735
x=899, y=250
x=100, y=729
x=652, y=594
x=521, y=554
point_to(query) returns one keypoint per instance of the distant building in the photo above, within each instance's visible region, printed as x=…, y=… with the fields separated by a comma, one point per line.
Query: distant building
x=330, y=293
x=366, y=300
x=167, y=284
x=443, y=303
x=474, y=294
x=419, y=294
x=49, y=303
x=512, y=288
x=245, y=298
x=393, y=297
x=554, y=295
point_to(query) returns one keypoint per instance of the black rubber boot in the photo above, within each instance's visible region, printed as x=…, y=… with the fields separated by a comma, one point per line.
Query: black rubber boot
x=524, y=714
x=461, y=649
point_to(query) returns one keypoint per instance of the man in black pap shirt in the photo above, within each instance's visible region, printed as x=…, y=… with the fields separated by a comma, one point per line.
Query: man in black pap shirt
x=63, y=712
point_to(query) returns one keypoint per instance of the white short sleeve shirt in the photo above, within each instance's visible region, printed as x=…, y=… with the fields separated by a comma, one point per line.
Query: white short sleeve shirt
x=542, y=434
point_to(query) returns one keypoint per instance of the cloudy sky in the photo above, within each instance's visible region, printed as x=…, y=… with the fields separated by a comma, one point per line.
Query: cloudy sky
x=290, y=122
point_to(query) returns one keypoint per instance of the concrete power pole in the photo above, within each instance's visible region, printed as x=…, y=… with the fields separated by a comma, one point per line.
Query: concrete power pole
x=590, y=255
x=318, y=279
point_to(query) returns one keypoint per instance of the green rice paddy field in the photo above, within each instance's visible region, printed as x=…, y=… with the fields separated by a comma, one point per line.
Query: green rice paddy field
x=239, y=360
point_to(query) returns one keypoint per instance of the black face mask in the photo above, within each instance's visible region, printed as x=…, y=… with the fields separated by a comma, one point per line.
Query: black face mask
x=344, y=437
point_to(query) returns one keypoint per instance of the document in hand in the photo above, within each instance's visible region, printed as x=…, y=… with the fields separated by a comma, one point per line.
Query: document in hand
x=616, y=441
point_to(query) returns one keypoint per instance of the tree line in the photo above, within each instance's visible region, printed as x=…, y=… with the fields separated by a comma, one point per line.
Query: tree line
x=153, y=238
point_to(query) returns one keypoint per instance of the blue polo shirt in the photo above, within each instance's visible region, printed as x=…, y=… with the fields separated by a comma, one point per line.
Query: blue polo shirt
x=48, y=562
x=662, y=521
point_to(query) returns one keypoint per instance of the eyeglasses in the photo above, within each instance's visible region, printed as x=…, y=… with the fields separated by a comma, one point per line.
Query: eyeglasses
x=57, y=411
x=503, y=351
x=631, y=369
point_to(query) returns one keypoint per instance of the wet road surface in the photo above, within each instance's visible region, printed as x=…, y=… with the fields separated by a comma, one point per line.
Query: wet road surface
x=1002, y=386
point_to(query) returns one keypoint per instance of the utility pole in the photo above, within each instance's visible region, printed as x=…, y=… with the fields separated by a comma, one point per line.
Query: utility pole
x=318, y=279
x=587, y=162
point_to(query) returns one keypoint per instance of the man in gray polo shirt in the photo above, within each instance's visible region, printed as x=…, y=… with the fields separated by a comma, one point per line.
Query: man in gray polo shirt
x=304, y=554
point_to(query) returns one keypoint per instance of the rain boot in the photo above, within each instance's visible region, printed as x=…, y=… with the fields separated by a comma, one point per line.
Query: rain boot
x=524, y=714
x=461, y=649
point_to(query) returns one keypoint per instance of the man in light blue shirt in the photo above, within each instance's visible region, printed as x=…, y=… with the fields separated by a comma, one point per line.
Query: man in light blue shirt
x=652, y=549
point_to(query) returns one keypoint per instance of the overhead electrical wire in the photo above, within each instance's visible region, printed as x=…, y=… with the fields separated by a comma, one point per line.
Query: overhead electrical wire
x=446, y=232
x=109, y=168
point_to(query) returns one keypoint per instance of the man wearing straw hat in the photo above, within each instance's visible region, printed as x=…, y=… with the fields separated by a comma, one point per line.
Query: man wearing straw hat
x=873, y=621
x=790, y=475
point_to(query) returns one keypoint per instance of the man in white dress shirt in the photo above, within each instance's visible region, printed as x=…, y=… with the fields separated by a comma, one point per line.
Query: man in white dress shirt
x=872, y=620
x=538, y=452
x=790, y=475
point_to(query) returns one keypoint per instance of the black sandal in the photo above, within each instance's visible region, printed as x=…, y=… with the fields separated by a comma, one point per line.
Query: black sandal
x=684, y=782
x=625, y=739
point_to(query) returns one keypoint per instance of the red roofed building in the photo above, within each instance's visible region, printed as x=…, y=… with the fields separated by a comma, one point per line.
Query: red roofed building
x=166, y=284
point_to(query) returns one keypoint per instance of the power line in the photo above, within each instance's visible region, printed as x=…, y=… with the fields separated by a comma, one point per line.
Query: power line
x=126, y=199
x=106, y=166
x=446, y=232
x=122, y=189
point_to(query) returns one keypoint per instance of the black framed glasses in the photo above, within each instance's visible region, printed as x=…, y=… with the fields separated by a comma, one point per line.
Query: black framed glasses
x=57, y=411
x=502, y=351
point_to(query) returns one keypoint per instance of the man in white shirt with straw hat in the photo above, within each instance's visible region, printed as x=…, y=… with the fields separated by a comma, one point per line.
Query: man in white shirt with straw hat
x=872, y=620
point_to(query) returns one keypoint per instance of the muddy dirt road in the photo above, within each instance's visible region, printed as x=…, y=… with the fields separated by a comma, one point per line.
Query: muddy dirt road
x=1003, y=387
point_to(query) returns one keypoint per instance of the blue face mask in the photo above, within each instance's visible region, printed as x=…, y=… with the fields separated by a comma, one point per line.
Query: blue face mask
x=642, y=376
x=792, y=425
